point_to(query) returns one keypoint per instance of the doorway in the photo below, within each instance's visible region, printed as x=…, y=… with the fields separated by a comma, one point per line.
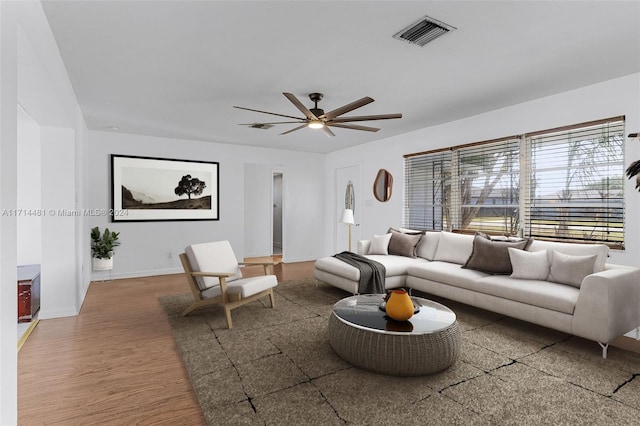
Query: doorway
x=276, y=237
x=344, y=176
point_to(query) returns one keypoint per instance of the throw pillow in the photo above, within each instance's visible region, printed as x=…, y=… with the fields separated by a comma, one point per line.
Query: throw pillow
x=402, y=244
x=454, y=248
x=380, y=244
x=428, y=245
x=492, y=256
x=571, y=270
x=574, y=249
x=529, y=265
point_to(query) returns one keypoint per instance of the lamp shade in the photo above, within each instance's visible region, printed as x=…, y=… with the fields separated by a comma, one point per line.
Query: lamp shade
x=347, y=217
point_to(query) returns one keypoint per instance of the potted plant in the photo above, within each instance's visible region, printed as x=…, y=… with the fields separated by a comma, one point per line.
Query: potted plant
x=102, y=248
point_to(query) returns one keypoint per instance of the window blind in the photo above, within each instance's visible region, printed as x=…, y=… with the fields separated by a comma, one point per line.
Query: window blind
x=576, y=184
x=488, y=187
x=426, y=195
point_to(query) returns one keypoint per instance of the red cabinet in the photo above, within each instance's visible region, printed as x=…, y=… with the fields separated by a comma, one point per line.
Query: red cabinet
x=28, y=292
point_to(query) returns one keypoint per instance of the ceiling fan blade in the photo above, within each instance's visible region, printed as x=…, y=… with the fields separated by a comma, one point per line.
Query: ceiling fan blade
x=327, y=131
x=300, y=106
x=276, y=122
x=353, y=126
x=366, y=118
x=271, y=113
x=346, y=108
x=294, y=129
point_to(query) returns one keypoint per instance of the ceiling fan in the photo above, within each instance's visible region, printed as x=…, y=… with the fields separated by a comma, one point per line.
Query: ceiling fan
x=316, y=118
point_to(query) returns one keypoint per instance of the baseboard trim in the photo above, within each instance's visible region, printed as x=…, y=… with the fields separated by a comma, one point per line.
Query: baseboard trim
x=136, y=274
x=27, y=333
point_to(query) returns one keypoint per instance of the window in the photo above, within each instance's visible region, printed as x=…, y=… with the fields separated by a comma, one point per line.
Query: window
x=427, y=182
x=560, y=184
x=576, y=187
x=489, y=187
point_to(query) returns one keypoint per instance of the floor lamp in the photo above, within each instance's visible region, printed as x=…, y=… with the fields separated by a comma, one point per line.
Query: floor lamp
x=347, y=217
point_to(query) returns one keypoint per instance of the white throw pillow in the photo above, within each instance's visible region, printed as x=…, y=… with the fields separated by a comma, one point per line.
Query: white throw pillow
x=571, y=270
x=454, y=248
x=428, y=245
x=380, y=244
x=573, y=249
x=529, y=265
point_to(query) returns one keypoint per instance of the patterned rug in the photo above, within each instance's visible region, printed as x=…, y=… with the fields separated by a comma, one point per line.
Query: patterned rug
x=277, y=367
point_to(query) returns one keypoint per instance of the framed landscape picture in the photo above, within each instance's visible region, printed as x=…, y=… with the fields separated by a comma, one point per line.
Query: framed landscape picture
x=155, y=189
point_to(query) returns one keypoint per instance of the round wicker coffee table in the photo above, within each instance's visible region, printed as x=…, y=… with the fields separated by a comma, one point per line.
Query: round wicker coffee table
x=363, y=335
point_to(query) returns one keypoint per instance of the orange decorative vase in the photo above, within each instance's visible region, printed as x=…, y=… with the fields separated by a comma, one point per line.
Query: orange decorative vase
x=399, y=306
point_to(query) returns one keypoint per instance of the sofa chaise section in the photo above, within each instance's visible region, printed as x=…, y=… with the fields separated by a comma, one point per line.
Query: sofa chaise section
x=602, y=306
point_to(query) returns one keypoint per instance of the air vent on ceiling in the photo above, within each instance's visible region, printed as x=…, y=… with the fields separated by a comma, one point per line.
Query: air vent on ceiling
x=261, y=126
x=423, y=31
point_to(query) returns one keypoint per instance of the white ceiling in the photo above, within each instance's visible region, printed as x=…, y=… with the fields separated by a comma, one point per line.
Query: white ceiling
x=176, y=68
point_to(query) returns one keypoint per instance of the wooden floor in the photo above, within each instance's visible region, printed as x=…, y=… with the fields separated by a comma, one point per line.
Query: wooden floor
x=116, y=362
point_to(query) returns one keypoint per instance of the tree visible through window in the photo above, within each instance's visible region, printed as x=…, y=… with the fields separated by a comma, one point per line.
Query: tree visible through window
x=576, y=190
x=561, y=184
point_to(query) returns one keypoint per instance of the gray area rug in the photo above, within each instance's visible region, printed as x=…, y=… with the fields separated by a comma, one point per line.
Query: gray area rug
x=277, y=367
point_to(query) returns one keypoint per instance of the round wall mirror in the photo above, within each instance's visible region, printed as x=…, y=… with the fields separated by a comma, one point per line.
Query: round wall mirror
x=382, y=185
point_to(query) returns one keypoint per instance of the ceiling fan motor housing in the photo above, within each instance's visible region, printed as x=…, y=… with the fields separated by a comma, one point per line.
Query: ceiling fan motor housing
x=315, y=98
x=317, y=111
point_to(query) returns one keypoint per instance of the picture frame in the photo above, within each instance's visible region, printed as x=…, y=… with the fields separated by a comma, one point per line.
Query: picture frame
x=163, y=189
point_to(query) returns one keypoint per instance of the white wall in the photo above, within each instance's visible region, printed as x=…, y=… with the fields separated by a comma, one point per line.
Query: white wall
x=33, y=76
x=257, y=206
x=8, y=201
x=58, y=270
x=611, y=98
x=145, y=245
x=29, y=187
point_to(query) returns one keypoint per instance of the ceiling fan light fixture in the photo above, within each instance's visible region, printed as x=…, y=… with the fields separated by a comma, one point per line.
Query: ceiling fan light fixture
x=315, y=124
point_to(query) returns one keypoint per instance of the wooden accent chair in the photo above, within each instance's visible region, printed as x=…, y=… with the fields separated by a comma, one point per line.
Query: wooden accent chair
x=214, y=276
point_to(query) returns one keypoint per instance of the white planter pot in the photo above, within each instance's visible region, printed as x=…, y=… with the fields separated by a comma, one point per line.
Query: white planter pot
x=102, y=264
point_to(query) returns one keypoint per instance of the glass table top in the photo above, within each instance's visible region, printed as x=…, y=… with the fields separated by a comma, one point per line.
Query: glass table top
x=363, y=311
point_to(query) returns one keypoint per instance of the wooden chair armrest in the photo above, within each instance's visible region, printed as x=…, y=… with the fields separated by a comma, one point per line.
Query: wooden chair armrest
x=257, y=263
x=212, y=274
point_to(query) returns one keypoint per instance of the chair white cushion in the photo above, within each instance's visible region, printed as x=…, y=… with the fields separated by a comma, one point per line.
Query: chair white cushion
x=217, y=256
x=245, y=286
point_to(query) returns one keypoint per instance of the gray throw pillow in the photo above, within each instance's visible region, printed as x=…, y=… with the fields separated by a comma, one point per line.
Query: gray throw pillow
x=402, y=244
x=492, y=257
x=571, y=270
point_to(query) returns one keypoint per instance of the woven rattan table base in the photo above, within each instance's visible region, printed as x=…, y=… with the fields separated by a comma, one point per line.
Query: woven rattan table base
x=396, y=354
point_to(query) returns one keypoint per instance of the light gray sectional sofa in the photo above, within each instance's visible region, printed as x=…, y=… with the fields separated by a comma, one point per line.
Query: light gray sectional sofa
x=563, y=286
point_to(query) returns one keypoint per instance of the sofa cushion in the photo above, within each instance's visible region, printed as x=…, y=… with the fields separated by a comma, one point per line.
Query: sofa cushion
x=447, y=273
x=543, y=294
x=492, y=256
x=571, y=270
x=428, y=245
x=215, y=256
x=394, y=265
x=529, y=265
x=600, y=250
x=454, y=248
x=404, y=244
x=245, y=286
x=380, y=244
